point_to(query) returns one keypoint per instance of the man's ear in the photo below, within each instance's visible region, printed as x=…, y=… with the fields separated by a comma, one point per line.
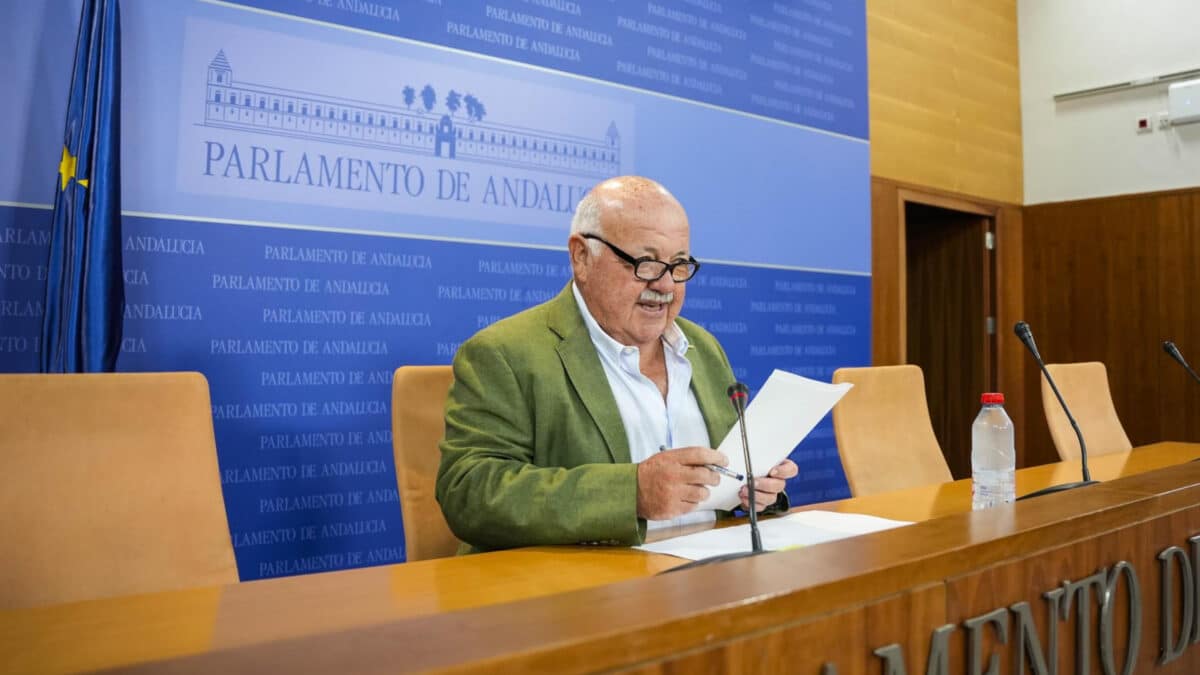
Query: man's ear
x=580, y=254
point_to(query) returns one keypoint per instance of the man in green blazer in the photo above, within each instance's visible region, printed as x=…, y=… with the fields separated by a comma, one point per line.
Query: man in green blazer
x=586, y=417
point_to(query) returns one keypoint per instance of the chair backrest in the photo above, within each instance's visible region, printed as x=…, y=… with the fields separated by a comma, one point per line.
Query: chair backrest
x=418, y=424
x=1084, y=386
x=110, y=487
x=884, y=435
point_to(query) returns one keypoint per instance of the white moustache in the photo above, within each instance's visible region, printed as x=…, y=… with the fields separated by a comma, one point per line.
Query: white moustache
x=654, y=296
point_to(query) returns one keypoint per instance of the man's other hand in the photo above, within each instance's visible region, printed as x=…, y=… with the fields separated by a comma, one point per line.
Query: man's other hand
x=768, y=487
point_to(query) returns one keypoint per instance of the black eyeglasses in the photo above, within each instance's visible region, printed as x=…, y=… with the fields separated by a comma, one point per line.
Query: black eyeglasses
x=649, y=269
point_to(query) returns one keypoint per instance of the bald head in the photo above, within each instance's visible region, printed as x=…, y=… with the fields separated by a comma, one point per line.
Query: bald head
x=606, y=204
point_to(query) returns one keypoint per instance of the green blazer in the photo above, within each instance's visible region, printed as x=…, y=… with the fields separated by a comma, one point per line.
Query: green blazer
x=535, y=451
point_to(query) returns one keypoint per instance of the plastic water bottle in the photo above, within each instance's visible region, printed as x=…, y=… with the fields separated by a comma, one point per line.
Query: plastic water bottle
x=993, y=459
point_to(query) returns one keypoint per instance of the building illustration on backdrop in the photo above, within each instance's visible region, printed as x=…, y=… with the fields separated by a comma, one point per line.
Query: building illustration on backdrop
x=419, y=126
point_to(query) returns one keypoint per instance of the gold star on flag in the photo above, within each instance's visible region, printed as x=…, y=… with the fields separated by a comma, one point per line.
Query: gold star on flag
x=66, y=170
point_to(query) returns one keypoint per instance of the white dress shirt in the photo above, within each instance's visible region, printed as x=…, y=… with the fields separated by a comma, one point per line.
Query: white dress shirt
x=650, y=422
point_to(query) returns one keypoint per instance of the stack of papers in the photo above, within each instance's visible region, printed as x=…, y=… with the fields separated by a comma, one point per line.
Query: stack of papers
x=793, y=531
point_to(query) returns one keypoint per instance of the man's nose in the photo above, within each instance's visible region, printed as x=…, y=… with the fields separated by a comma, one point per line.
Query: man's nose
x=663, y=284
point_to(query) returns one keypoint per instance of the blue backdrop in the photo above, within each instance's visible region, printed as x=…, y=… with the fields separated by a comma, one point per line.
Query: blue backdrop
x=318, y=192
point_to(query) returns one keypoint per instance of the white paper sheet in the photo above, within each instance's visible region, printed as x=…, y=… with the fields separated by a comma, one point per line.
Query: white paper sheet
x=779, y=417
x=798, y=529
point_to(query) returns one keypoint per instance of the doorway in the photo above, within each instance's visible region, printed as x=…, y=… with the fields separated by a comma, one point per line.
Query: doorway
x=950, y=310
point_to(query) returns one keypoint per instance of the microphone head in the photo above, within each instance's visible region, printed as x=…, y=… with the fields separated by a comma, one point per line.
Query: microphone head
x=1026, y=336
x=1173, y=351
x=737, y=390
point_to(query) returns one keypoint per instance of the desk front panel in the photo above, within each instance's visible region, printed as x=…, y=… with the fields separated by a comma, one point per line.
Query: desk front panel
x=541, y=591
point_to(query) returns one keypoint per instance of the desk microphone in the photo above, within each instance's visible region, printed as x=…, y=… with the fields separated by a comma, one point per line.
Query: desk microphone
x=1026, y=336
x=738, y=394
x=1170, y=348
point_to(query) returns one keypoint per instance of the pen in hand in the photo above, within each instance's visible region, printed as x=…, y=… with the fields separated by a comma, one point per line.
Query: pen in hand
x=726, y=472
x=716, y=467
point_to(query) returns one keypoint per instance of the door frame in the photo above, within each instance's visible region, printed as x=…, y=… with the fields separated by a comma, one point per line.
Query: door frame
x=889, y=281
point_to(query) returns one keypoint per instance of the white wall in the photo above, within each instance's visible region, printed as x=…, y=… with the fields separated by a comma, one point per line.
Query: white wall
x=1089, y=147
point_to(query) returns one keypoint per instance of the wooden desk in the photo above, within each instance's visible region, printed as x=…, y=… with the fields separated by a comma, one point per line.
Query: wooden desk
x=934, y=501
x=563, y=608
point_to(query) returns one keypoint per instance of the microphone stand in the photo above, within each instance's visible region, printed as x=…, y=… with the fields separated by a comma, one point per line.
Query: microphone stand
x=755, y=536
x=738, y=393
x=1023, y=332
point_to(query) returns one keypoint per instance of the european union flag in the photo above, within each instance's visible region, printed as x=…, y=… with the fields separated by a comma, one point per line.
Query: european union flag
x=85, y=292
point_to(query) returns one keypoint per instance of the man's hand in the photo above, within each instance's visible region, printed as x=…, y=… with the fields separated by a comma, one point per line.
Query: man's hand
x=672, y=482
x=768, y=487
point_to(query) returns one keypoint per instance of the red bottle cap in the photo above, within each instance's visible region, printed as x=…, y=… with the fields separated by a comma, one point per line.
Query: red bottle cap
x=995, y=398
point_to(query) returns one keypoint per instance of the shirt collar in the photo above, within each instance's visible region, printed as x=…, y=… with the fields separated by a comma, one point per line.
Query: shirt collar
x=673, y=337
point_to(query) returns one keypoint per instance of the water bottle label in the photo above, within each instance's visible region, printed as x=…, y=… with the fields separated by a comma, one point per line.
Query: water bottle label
x=990, y=488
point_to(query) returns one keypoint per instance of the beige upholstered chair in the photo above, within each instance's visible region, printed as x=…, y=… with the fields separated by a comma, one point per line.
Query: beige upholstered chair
x=883, y=431
x=418, y=424
x=110, y=487
x=1084, y=386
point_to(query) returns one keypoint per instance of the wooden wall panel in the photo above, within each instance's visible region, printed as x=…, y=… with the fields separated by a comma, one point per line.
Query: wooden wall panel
x=888, y=276
x=945, y=95
x=1108, y=280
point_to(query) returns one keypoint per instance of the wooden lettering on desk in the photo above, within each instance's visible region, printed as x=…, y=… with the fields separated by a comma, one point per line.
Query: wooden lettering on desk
x=939, y=654
x=1173, y=644
x=1134, y=589
x=1100, y=587
x=1026, y=643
